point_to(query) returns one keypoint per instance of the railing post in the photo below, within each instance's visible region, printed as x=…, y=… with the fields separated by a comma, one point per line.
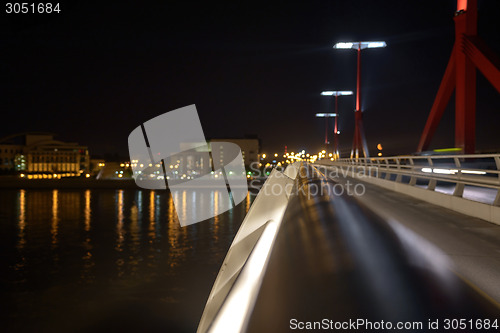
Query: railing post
x=387, y=174
x=459, y=187
x=459, y=167
x=429, y=160
x=459, y=190
x=497, y=162
x=432, y=182
x=413, y=179
x=398, y=176
x=496, y=202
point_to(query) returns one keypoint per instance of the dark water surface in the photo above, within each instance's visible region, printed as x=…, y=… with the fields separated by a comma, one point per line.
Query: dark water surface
x=107, y=260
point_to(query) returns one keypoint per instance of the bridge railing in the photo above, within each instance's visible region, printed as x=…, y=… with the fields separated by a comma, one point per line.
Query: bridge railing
x=481, y=170
x=334, y=258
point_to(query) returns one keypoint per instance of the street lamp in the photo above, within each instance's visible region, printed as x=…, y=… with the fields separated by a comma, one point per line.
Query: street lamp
x=359, y=136
x=336, y=131
x=326, y=116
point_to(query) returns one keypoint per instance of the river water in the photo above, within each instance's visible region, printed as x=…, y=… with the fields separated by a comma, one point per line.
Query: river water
x=107, y=260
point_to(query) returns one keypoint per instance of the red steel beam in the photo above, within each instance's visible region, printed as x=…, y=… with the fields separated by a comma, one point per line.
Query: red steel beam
x=359, y=142
x=354, y=143
x=465, y=91
x=358, y=81
x=469, y=53
x=362, y=137
x=483, y=57
x=335, y=129
x=443, y=96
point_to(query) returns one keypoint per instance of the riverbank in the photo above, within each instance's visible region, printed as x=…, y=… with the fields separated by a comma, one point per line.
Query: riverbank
x=12, y=182
x=23, y=183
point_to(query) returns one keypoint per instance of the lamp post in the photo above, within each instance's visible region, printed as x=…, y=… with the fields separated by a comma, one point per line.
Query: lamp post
x=336, y=130
x=326, y=116
x=359, y=136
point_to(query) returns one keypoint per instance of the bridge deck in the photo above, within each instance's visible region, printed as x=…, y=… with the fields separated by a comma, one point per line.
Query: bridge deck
x=472, y=244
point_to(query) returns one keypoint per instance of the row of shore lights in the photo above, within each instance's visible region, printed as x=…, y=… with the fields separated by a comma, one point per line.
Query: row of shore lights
x=157, y=165
x=53, y=176
x=303, y=156
x=58, y=175
x=299, y=156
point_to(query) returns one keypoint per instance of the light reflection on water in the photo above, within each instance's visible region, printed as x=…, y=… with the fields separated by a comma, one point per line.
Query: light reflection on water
x=88, y=261
x=21, y=207
x=55, y=218
x=22, y=219
x=77, y=255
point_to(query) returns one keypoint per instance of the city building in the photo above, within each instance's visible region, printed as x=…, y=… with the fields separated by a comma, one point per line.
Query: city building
x=38, y=153
x=249, y=148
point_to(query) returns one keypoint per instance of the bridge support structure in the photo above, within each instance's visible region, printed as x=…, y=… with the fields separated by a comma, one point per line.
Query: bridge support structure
x=359, y=141
x=469, y=52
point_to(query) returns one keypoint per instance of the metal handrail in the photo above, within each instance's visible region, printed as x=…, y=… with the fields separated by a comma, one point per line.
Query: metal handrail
x=432, y=169
x=427, y=156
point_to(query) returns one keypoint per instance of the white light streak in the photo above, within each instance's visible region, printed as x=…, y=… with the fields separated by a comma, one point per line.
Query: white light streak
x=336, y=93
x=343, y=46
x=376, y=44
x=474, y=172
x=234, y=313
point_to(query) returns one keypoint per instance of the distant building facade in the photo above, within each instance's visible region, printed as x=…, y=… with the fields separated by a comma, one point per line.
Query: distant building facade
x=39, y=153
x=249, y=148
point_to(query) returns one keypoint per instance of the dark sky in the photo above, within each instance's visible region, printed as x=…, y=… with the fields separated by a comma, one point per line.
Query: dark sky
x=94, y=72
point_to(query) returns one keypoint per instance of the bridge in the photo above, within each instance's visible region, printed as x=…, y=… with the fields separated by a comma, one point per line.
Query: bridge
x=388, y=243
x=331, y=241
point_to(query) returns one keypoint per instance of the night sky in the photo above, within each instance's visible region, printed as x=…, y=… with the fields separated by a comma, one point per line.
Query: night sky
x=94, y=72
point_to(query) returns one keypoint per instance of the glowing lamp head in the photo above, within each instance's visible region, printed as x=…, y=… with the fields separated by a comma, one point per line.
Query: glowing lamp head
x=372, y=45
x=320, y=115
x=359, y=45
x=336, y=93
x=343, y=45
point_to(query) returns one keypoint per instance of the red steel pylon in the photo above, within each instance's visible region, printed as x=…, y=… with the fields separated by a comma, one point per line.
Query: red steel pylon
x=469, y=52
x=359, y=141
